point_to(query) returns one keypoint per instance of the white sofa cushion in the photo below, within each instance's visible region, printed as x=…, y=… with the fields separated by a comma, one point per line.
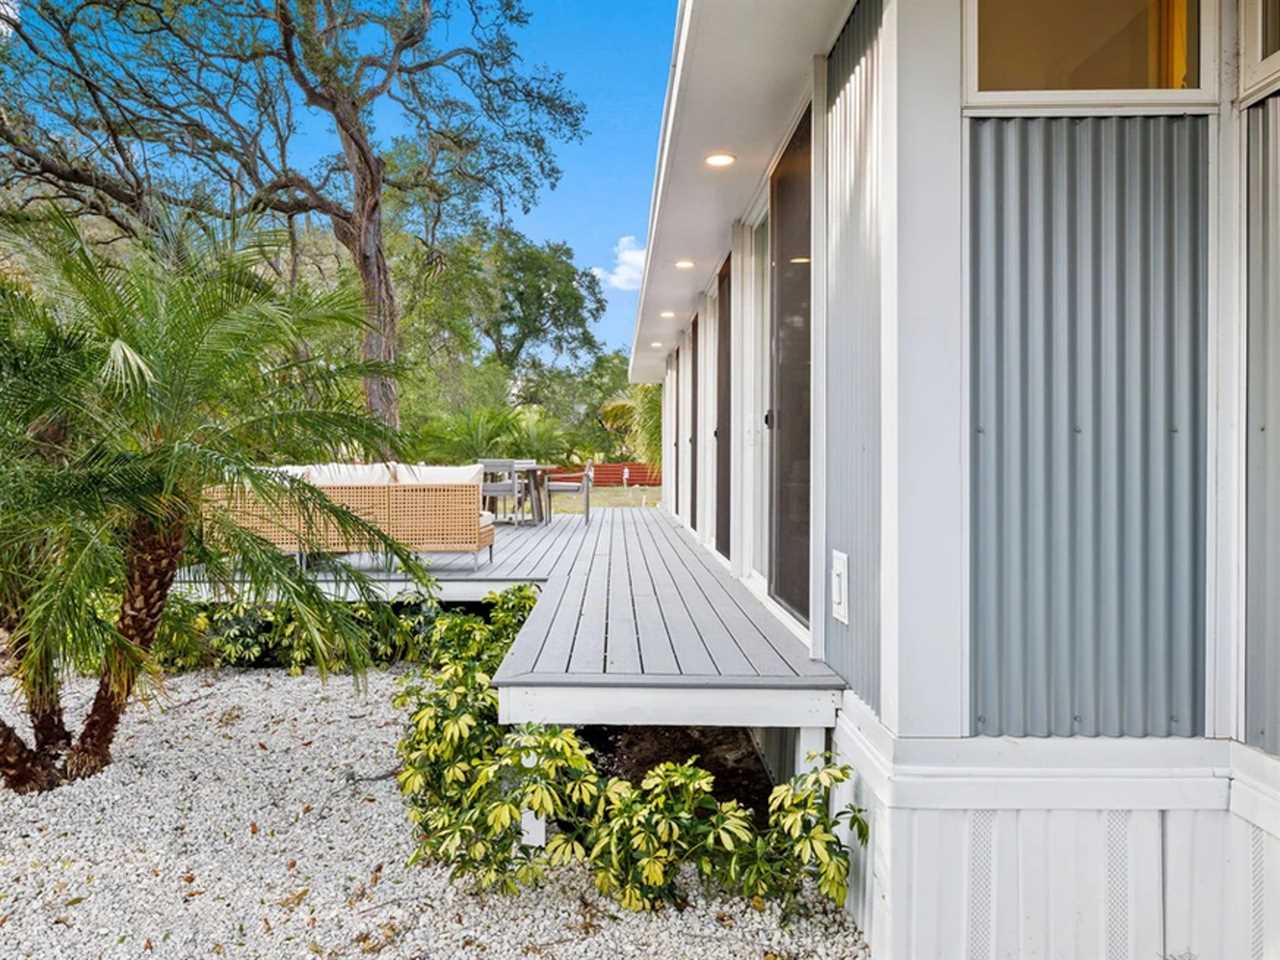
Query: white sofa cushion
x=486, y=518
x=296, y=470
x=349, y=474
x=424, y=473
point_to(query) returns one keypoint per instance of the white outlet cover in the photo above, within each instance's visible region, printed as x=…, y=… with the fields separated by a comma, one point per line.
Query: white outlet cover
x=839, y=586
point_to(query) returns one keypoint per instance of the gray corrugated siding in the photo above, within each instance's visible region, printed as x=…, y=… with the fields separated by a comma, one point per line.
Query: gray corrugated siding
x=853, y=341
x=778, y=751
x=1262, y=694
x=1089, y=312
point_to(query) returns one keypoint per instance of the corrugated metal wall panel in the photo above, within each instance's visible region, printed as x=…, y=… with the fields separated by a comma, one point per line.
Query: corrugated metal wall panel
x=1089, y=320
x=1262, y=693
x=777, y=747
x=853, y=342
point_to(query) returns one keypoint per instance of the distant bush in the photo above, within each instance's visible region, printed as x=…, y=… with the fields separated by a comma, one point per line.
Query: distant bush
x=469, y=782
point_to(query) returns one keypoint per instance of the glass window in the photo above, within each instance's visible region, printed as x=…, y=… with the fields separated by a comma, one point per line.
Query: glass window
x=1270, y=28
x=1089, y=44
x=759, y=452
x=790, y=205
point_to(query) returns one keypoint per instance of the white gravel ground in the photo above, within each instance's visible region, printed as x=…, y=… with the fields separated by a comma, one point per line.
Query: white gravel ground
x=236, y=822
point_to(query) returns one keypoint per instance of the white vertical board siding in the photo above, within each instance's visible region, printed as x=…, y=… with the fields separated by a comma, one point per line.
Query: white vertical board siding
x=1078, y=885
x=1089, y=303
x=854, y=123
x=1262, y=645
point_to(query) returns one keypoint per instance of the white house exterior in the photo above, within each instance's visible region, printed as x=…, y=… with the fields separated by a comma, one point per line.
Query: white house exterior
x=987, y=345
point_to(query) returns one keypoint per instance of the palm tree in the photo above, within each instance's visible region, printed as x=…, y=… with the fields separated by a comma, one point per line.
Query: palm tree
x=466, y=437
x=536, y=436
x=131, y=387
x=635, y=414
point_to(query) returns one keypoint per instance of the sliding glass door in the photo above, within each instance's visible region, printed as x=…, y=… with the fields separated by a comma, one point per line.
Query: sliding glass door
x=789, y=408
x=724, y=394
x=693, y=424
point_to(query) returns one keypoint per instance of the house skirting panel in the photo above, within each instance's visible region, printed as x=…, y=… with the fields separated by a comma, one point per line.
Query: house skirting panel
x=987, y=849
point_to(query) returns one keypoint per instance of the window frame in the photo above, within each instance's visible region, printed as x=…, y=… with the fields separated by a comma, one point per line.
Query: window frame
x=1259, y=76
x=1203, y=99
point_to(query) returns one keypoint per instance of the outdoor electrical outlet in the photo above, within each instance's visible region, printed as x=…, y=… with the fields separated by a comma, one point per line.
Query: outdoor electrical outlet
x=840, y=586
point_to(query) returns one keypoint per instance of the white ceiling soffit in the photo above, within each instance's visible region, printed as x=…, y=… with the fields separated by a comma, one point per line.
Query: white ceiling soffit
x=740, y=73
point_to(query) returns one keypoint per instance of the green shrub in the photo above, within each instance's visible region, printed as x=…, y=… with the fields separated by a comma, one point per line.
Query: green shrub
x=270, y=635
x=469, y=782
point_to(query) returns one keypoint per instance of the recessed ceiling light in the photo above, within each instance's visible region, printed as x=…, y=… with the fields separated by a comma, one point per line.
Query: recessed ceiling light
x=800, y=260
x=720, y=159
x=667, y=314
x=656, y=344
x=684, y=264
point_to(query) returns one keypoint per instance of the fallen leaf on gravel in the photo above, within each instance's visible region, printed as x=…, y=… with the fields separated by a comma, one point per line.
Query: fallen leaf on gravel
x=307, y=808
x=4, y=919
x=147, y=945
x=188, y=878
x=291, y=864
x=294, y=900
x=192, y=894
x=74, y=900
x=261, y=745
x=253, y=827
x=725, y=919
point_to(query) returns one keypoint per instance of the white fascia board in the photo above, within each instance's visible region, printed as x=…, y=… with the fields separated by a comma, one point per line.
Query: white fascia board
x=668, y=706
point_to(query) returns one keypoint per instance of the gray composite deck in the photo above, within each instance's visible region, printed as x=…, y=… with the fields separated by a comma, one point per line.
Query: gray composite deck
x=629, y=601
x=633, y=601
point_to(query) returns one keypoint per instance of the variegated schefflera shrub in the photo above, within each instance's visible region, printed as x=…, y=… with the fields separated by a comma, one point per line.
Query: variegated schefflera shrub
x=469, y=783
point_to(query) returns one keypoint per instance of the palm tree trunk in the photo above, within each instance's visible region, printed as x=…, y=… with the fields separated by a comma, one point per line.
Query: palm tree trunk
x=21, y=768
x=47, y=724
x=151, y=562
x=44, y=699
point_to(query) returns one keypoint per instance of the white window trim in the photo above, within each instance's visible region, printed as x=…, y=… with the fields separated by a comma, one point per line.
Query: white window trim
x=818, y=547
x=1204, y=99
x=1259, y=77
x=753, y=527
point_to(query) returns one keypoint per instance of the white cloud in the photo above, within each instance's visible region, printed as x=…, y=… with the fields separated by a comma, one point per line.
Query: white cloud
x=628, y=266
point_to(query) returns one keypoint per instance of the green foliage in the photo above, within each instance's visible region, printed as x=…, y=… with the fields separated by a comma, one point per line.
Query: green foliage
x=469, y=782
x=487, y=432
x=468, y=436
x=640, y=837
x=245, y=634
x=172, y=367
x=634, y=417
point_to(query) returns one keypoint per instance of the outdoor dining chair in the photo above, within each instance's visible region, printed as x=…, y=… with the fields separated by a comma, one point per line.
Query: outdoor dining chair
x=503, y=480
x=579, y=483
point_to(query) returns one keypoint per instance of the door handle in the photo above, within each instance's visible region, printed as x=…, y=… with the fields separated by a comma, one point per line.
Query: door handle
x=768, y=419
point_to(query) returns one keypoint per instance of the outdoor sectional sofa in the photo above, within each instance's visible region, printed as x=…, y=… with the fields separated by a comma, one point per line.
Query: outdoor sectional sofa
x=429, y=509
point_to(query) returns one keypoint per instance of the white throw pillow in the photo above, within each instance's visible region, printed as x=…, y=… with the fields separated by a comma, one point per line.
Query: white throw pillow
x=486, y=518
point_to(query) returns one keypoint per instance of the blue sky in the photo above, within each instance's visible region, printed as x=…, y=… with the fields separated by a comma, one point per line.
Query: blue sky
x=615, y=57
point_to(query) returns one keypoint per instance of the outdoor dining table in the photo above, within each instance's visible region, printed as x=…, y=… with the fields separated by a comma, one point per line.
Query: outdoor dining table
x=536, y=477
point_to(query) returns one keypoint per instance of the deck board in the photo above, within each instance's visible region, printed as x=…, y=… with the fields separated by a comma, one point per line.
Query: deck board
x=640, y=604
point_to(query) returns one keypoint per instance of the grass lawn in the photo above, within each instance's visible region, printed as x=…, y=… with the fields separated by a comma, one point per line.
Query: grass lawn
x=609, y=497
